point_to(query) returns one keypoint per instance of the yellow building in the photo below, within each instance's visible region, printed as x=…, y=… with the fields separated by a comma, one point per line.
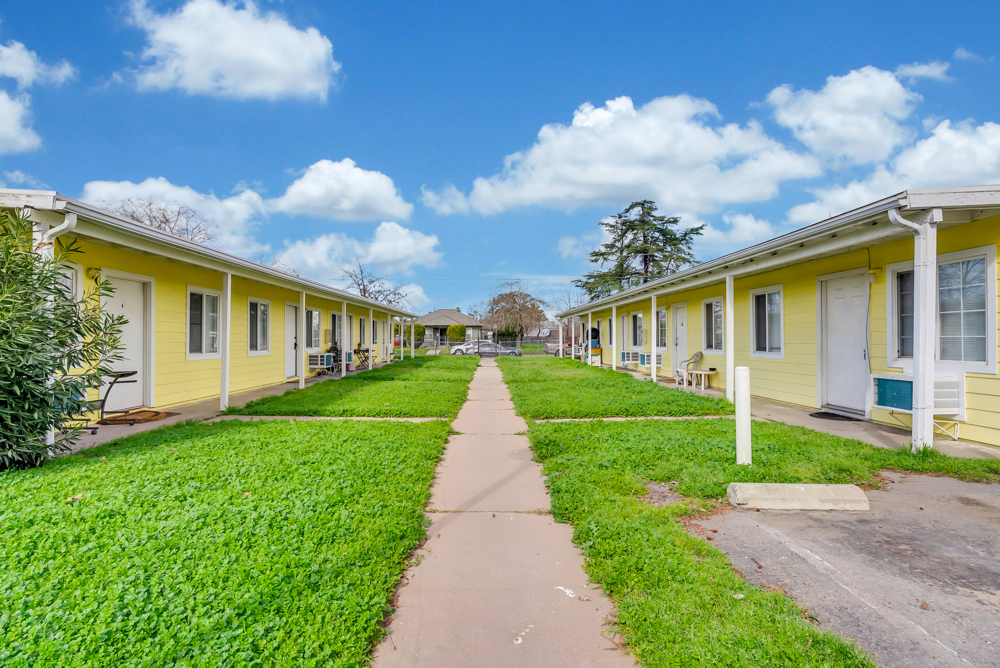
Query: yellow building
x=839, y=316
x=203, y=323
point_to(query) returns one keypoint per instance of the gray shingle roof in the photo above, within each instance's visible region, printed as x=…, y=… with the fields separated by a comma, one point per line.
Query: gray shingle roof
x=447, y=316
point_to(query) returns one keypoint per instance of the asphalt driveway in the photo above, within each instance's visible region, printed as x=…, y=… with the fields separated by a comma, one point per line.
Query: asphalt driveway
x=915, y=581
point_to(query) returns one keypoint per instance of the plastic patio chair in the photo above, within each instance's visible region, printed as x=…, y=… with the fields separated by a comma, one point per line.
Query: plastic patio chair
x=690, y=364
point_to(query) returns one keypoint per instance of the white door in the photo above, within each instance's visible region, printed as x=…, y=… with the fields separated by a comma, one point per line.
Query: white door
x=291, y=341
x=679, y=335
x=845, y=339
x=129, y=300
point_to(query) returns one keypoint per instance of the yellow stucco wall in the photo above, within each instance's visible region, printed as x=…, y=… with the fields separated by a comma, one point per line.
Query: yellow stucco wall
x=176, y=378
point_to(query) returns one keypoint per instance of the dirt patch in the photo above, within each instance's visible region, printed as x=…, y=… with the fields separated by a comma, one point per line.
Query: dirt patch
x=662, y=494
x=975, y=503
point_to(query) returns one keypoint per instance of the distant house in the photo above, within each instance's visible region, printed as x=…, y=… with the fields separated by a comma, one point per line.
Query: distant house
x=548, y=329
x=438, y=322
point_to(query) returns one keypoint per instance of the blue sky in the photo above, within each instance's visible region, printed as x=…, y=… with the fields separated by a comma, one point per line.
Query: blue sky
x=484, y=141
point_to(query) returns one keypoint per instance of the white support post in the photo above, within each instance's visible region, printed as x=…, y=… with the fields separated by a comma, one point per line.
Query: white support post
x=729, y=310
x=301, y=341
x=225, y=316
x=653, y=326
x=614, y=337
x=371, y=330
x=343, y=340
x=924, y=321
x=560, y=339
x=413, y=335
x=744, y=453
x=590, y=336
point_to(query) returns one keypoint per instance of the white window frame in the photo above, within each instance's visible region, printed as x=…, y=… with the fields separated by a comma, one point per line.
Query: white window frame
x=76, y=270
x=632, y=330
x=780, y=289
x=362, y=323
x=944, y=367
x=270, y=327
x=704, y=333
x=318, y=342
x=374, y=332
x=188, y=355
x=665, y=321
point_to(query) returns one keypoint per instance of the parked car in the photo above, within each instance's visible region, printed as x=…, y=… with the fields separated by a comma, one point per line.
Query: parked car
x=553, y=348
x=487, y=348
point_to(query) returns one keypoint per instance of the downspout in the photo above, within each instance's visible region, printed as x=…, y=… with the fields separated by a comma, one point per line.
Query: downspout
x=46, y=248
x=924, y=321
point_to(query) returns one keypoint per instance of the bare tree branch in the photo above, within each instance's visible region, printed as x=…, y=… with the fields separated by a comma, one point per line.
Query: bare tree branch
x=365, y=283
x=180, y=221
x=514, y=308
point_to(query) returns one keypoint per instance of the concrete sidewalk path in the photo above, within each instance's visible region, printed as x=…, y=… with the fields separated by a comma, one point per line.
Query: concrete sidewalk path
x=499, y=582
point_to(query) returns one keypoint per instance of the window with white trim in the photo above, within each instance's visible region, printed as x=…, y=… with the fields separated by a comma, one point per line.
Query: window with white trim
x=713, y=331
x=661, y=328
x=904, y=322
x=202, y=322
x=336, y=321
x=361, y=330
x=374, y=331
x=767, y=328
x=313, y=333
x=258, y=326
x=962, y=311
x=636, y=333
x=611, y=324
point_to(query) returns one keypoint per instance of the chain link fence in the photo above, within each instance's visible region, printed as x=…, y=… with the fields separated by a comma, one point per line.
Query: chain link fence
x=527, y=347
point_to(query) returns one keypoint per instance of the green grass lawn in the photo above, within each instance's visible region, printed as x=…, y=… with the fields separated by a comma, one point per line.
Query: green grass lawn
x=675, y=593
x=415, y=387
x=544, y=388
x=232, y=544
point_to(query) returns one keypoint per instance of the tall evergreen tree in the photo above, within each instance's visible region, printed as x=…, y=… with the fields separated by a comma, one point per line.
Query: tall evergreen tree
x=643, y=247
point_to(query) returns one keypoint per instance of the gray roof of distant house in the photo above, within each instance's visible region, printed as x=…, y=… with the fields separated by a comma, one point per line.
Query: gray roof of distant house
x=446, y=317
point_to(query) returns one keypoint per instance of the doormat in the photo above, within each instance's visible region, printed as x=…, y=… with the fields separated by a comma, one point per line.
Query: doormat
x=136, y=417
x=823, y=415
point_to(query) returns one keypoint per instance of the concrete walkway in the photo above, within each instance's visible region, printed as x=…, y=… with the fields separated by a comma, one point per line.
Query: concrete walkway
x=498, y=582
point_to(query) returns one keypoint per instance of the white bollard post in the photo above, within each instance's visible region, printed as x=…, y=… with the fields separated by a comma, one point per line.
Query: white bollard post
x=742, y=387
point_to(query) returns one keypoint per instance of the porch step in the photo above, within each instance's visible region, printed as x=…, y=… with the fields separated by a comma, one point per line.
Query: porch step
x=776, y=496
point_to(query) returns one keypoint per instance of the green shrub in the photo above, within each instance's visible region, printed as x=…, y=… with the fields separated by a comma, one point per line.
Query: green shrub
x=53, y=346
x=456, y=332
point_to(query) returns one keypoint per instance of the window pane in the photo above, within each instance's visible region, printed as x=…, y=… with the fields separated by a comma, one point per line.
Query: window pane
x=974, y=271
x=950, y=275
x=905, y=280
x=974, y=297
x=253, y=326
x=974, y=348
x=709, y=327
x=264, y=328
x=760, y=323
x=951, y=324
x=212, y=323
x=951, y=299
x=774, y=322
x=194, y=322
x=974, y=323
x=718, y=325
x=951, y=348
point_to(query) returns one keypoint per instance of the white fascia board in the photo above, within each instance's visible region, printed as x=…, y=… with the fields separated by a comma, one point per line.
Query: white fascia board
x=972, y=197
x=37, y=199
x=100, y=224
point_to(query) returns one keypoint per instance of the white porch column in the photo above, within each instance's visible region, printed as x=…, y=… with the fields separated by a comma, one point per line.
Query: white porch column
x=614, y=337
x=729, y=310
x=924, y=321
x=343, y=339
x=301, y=341
x=371, y=329
x=560, y=339
x=590, y=336
x=654, y=325
x=413, y=335
x=225, y=310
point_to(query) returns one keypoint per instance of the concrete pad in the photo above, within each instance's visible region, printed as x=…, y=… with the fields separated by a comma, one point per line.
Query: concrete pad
x=489, y=477
x=489, y=394
x=486, y=384
x=491, y=404
x=473, y=420
x=914, y=581
x=499, y=591
x=775, y=496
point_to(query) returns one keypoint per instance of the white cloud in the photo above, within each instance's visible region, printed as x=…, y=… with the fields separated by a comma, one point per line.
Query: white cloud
x=954, y=154
x=446, y=201
x=416, y=297
x=581, y=245
x=342, y=191
x=233, y=50
x=961, y=53
x=19, y=178
x=668, y=150
x=16, y=134
x=936, y=70
x=856, y=116
x=24, y=66
x=233, y=218
x=741, y=229
x=393, y=249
